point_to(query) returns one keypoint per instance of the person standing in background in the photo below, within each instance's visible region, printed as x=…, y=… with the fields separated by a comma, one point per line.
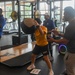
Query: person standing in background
x=2, y=22
x=50, y=25
x=69, y=40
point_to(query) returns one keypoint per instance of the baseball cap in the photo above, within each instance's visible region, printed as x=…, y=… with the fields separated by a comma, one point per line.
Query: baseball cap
x=47, y=14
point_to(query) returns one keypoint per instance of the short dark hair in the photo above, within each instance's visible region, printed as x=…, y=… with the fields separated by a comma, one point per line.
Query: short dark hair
x=38, y=20
x=70, y=11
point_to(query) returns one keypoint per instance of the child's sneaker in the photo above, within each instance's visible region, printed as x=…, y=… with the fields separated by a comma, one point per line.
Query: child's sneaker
x=30, y=67
x=51, y=72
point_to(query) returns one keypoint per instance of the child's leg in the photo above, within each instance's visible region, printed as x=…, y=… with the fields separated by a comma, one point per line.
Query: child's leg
x=46, y=58
x=32, y=66
x=33, y=57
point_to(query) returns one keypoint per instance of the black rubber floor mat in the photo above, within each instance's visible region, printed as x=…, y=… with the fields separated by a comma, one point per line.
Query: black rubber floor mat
x=5, y=47
x=20, y=60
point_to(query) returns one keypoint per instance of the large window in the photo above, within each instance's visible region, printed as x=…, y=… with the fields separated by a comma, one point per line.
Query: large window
x=25, y=9
x=8, y=10
x=44, y=8
x=2, y=6
x=68, y=3
x=57, y=10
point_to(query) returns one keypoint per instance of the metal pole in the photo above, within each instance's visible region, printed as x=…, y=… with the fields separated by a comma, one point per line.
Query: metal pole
x=50, y=9
x=32, y=10
x=38, y=4
x=19, y=32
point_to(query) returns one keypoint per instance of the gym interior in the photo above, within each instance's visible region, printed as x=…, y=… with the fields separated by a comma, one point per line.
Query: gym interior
x=16, y=46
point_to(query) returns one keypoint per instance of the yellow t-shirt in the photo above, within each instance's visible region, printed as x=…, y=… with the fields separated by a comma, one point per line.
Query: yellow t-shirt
x=41, y=40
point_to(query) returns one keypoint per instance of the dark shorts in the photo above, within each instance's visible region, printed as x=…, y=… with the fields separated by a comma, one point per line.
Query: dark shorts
x=40, y=49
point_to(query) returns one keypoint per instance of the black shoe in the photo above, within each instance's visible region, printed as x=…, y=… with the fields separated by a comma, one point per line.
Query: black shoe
x=64, y=73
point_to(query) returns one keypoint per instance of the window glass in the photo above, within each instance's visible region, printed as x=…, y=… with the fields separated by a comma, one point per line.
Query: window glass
x=27, y=16
x=27, y=7
x=2, y=6
x=27, y=12
x=57, y=11
x=15, y=6
x=43, y=6
x=21, y=7
x=8, y=16
x=57, y=4
x=68, y=3
x=22, y=13
x=8, y=10
x=43, y=12
x=8, y=6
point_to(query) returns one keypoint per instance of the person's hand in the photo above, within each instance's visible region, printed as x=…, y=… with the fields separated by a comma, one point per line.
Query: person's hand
x=50, y=39
x=48, y=35
x=36, y=23
x=55, y=32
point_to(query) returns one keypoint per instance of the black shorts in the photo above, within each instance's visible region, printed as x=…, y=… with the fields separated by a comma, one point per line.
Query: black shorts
x=40, y=49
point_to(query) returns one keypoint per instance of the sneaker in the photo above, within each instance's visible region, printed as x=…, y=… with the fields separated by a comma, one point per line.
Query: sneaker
x=30, y=67
x=51, y=72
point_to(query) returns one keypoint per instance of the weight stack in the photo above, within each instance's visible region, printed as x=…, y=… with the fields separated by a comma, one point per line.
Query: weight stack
x=23, y=39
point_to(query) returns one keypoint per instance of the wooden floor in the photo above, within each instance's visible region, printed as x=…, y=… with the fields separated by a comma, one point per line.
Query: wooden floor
x=16, y=51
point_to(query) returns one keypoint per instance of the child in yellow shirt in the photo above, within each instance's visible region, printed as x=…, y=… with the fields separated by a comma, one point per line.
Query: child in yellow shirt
x=41, y=46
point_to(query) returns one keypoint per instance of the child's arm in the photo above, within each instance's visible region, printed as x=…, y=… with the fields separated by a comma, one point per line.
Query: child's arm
x=39, y=27
x=40, y=30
